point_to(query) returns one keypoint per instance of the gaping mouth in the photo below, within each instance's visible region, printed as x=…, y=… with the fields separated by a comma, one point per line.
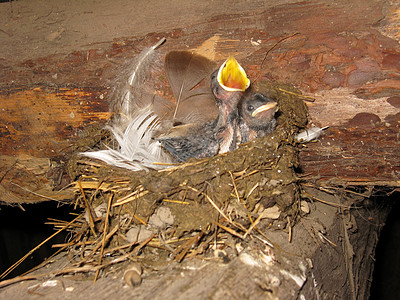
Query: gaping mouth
x=232, y=77
x=263, y=108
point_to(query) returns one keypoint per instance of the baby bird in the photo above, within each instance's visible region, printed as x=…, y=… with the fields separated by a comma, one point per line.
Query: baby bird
x=257, y=117
x=220, y=136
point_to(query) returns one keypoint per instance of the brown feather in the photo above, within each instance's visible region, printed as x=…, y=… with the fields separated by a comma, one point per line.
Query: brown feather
x=189, y=77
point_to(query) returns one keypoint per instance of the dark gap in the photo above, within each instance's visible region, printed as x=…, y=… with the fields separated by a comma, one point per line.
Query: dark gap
x=21, y=231
x=386, y=277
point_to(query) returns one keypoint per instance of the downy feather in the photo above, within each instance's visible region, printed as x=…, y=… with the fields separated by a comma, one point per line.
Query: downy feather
x=135, y=123
x=137, y=150
x=135, y=89
x=140, y=115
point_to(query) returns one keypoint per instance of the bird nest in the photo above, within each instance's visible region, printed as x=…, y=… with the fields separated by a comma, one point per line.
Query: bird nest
x=184, y=209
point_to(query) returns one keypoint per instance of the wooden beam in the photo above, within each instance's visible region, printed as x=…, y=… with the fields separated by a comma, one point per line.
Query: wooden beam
x=346, y=58
x=41, y=121
x=362, y=155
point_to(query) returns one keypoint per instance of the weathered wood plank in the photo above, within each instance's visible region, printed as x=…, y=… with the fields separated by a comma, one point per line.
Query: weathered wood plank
x=347, y=48
x=363, y=155
x=347, y=59
x=40, y=121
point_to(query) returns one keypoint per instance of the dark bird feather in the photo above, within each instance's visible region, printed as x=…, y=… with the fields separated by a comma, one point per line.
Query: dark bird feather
x=189, y=77
x=193, y=140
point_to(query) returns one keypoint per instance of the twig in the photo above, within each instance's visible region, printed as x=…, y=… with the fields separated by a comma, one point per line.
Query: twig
x=72, y=243
x=134, y=216
x=47, y=260
x=253, y=189
x=79, y=269
x=108, y=236
x=159, y=243
x=175, y=201
x=90, y=213
x=34, y=193
x=306, y=98
x=243, y=203
x=311, y=234
x=164, y=164
x=182, y=166
x=54, y=273
x=104, y=236
x=326, y=239
x=109, y=251
x=130, y=198
x=230, y=230
x=183, y=249
x=272, y=244
x=253, y=172
x=254, y=224
x=90, y=163
x=213, y=204
x=326, y=202
x=270, y=49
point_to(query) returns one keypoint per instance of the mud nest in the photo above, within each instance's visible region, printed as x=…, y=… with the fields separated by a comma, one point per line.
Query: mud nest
x=185, y=210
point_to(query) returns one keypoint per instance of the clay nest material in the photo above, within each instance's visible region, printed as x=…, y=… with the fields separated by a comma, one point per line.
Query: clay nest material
x=186, y=209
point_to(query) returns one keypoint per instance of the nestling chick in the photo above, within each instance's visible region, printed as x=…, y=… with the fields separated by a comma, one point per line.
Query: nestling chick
x=257, y=117
x=220, y=136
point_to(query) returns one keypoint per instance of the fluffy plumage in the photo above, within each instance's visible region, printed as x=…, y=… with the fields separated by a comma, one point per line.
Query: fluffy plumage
x=203, y=122
x=135, y=87
x=137, y=149
x=191, y=140
x=140, y=116
x=135, y=119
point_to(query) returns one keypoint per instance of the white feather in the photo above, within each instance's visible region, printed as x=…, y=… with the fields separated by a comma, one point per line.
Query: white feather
x=135, y=87
x=137, y=149
x=145, y=54
x=135, y=127
x=309, y=134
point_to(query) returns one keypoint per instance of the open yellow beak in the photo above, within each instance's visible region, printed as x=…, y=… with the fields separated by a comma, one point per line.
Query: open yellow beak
x=265, y=107
x=232, y=77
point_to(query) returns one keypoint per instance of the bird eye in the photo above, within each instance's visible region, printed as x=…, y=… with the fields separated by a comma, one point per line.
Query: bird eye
x=250, y=107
